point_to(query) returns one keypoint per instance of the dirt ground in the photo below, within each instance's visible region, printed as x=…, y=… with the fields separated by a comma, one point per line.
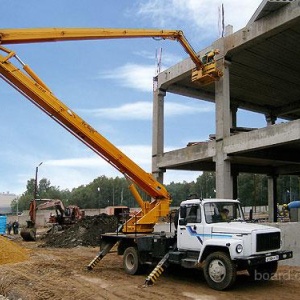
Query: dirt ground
x=60, y=273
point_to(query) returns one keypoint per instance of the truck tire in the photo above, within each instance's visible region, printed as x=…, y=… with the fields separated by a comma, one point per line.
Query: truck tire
x=219, y=271
x=131, y=262
x=263, y=272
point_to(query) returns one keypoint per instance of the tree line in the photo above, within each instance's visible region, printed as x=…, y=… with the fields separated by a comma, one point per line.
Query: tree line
x=104, y=191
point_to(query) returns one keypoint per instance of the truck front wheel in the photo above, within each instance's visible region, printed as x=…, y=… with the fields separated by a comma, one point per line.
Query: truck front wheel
x=131, y=262
x=219, y=271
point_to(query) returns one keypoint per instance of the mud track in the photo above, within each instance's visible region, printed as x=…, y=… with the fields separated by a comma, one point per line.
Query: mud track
x=59, y=273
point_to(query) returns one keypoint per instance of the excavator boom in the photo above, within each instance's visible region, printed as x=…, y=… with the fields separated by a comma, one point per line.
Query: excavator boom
x=204, y=73
x=52, y=203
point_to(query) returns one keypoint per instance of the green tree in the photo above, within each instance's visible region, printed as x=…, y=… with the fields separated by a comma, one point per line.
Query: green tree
x=104, y=191
x=180, y=191
x=44, y=191
x=205, y=185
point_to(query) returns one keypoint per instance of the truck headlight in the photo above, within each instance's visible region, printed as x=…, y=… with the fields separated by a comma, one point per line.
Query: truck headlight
x=239, y=248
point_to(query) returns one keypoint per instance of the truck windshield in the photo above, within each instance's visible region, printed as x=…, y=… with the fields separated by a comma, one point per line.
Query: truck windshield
x=223, y=212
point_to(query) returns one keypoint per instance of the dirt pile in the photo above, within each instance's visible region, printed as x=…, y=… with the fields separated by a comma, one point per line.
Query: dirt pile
x=85, y=232
x=10, y=252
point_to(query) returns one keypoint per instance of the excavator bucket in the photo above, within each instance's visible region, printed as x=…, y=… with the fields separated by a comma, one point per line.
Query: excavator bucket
x=28, y=234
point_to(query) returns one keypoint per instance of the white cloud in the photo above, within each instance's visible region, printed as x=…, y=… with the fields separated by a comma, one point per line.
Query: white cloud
x=201, y=17
x=131, y=75
x=142, y=110
x=93, y=161
x=70, y=173
x=167, y=58
x=145, y=54
x=138, y=76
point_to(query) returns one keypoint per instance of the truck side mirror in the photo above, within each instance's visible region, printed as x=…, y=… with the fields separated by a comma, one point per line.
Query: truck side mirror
x=182, y=211
x=182, y=221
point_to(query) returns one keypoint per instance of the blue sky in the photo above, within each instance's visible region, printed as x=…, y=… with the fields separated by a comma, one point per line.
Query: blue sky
x=108, y=83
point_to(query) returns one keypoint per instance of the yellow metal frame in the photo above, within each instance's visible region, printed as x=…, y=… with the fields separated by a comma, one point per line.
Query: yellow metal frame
x=43, y=98
x=38, y=35
x=33, y=88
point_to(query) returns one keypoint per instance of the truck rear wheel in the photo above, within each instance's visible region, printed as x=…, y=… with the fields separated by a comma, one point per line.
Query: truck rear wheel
x=219, y=271
x=131, y=262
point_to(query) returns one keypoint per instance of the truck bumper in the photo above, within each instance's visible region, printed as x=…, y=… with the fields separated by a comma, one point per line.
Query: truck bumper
x=262, y=259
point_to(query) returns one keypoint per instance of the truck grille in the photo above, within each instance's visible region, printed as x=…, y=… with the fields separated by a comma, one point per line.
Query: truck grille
x=267, y=241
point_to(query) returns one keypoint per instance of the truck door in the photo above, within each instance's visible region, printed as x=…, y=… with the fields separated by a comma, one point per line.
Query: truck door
x=190, y=228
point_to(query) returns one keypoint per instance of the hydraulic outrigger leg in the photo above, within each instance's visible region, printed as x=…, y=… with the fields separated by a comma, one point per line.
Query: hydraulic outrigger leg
x=106, y=248
x=160, y=267
x=153, y=276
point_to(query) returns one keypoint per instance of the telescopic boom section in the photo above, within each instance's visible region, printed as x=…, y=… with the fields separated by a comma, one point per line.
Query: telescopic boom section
x=28, y=84
x=204, y=73
x=38, y=35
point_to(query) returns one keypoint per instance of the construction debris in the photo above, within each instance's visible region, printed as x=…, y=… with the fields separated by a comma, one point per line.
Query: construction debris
x=86, y=232
x=10, y=252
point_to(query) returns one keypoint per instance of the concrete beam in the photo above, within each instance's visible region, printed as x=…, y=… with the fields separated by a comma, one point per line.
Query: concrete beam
x=179, y=71
x=188, y=91
x=242, y=142
x=277, y=21
x=198, y=152
x=263, y=138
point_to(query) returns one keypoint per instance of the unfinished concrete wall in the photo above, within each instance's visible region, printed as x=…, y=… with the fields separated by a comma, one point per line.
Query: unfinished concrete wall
x=290, y=232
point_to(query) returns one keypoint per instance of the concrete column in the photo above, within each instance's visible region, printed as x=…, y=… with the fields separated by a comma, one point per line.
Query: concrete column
x=234, y=185
x=158, y=132
x=224, y=181
x=272, y=198
x=228, y=30
x=223, y=113
x=233, y=110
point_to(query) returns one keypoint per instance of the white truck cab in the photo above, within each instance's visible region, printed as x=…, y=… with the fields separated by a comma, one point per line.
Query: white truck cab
x=213, y=232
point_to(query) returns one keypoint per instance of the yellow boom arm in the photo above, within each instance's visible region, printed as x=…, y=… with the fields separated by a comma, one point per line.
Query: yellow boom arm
x=204, y=73
x=32, y=87
x=28, y=84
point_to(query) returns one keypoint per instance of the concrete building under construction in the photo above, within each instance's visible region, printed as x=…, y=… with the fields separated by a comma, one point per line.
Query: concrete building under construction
x=261, y=67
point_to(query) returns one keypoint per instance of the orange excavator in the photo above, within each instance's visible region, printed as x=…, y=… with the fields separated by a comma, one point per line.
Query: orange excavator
x=64, y=217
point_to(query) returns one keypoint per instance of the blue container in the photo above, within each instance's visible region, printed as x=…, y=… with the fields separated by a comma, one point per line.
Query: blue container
x=294, y=204
x=3, y=224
